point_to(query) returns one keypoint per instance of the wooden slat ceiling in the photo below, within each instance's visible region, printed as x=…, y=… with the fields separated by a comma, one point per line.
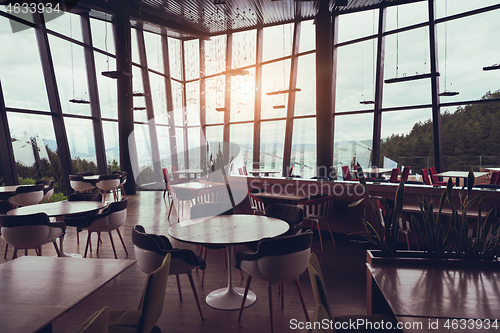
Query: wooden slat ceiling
x=203, y=18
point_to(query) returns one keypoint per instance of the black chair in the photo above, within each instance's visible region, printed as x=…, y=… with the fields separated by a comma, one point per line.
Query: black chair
x=209, y=210
x=123, y=180
x=48, y=189
x=30, y=232
x=150, y=250
x=277, y=260
x=291, y=214
x=80, y=220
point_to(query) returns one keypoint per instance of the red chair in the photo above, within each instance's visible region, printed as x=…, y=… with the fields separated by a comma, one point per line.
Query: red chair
x=317, y=210
x=245, y=172
x=435, y=179
x=494, y=178
x=240, y=171
x=394, y=175
x=346, y=173
x=257, y=204
x=290, y=172
x=406, y=172
x=425, y=177
x=176, y=176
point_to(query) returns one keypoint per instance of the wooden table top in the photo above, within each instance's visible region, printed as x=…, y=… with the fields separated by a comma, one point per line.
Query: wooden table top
x=196, y=186
x=460, y=174
x=191, y=171
x=263, y=171
x=439, y=292
x=282, y=196
x=37, y=290
x=228, y=229
x=60, y=208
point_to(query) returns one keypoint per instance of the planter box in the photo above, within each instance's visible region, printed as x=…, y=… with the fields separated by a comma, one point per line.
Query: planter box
x=418, y=259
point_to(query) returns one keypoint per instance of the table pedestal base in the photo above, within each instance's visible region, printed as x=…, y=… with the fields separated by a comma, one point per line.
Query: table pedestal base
x=229, y=298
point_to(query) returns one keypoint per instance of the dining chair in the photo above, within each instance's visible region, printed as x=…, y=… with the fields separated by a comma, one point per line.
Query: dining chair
x=256, y=204
x=111, y=218
x=218, y=194
x=123, y=180
x=80, y=220
x=245, y=171
x=394, y=175
x=181, y=196
x=109, y=183
x=346, y=173
x=150, y=308
x=210, y=210
x=30, y=232
x=291, y=214
x=406, y=173
x=279, y=259
x=27, y=195
x=150, y=249
x=48, y=189
x=321, y=317
x=97, y=323
x=321, y=298
x=425, y=177
x=79, y=184
x=435, y=179
x=176, y=176
x=317, y=210
x=240, y=171
x=5, y=206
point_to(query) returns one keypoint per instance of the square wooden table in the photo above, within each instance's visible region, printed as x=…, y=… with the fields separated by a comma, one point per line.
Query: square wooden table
x=35, y=291
x=460, y=175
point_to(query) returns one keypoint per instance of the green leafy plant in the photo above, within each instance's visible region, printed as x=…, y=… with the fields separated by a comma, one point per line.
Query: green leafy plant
x=385, y=235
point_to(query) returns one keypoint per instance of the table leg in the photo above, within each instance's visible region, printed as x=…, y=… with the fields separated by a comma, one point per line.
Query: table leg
x=229, y=298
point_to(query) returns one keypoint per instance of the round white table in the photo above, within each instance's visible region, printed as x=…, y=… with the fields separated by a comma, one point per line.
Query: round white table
x=228, y=230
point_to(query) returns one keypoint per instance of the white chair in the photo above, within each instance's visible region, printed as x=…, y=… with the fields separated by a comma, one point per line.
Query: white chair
x=317, y=210
x=30, y=232
x=48, y=189
x=150, y=250
x=111, y=218
x=79, y=184
x=123, y=180
x=277, y=260
x=109, y=183
x=256, y=204
x=27, y=195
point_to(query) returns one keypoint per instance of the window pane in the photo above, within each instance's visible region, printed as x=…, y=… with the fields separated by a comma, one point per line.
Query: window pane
x=214, y=133
x=107, y=87
x=144, y=156
x=35, y=148
x=159, y=97
x=67, y=24
x=242, y=135
x=174, y=58
x=353, y=140
x=21, y=70
x=111, y=144
x=452, y=7
x=407, y=14
x=244, y=48
x=401, y=134
x=356, y=76
x=194, y=147
x=357, y=25
x=154, y=52
x=277, y=41
x=243, y=96
x=305, y=99
x=275, y=77
x=192, y=59
x=214, y=99
x=164, y=146
x=135, y=47
x=102, y=34
x=303, y=156
x=193, y=103
x=177, y=91
x=307, y=36
x=71, y=76
x=215, y=55
x=461, y=63
x=272, y=144
x=81, y=144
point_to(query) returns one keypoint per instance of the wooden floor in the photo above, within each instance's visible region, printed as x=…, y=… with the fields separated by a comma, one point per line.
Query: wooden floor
x=343, y=268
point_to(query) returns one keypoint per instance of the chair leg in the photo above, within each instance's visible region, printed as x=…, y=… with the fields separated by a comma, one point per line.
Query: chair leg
x=270, y=296
x=77, y=237
x=249, y=279
x=121, y=238
x=14, y=254
x=6, y=249
x=297, y=283
x=178, y=286
x=195, y=294
x=55, y=247
x=331, y=233
x=319, y=233
x=170, y=211
x=203, y=274
x=112, y=244
x=282, y=285
x=98, y=243
x=88, y=242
